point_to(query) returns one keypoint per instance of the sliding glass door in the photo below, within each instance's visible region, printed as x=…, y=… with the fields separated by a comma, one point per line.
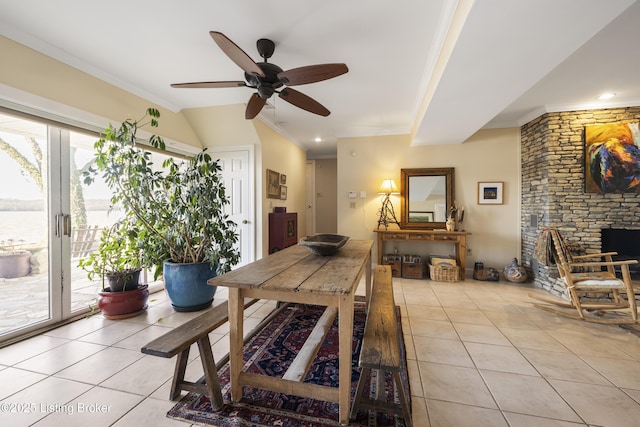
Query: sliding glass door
x=49, y=219
x=25, y=248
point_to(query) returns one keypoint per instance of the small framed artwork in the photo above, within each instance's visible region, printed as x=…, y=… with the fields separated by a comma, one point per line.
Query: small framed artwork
x=283, y=192
x=283, y=179
x=273, y=184
x=490, y=193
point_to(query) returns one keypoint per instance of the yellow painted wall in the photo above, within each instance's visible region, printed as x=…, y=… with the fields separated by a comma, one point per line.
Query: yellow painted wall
x=58, y=85
x=222, y=126
x=489, y=155
x=282, y=156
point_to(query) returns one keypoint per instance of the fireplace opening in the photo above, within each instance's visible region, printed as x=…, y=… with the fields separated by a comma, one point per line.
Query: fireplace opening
x=626, y=243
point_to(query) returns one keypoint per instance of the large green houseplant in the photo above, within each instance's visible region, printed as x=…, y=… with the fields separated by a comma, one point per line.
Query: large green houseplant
x=177, y=210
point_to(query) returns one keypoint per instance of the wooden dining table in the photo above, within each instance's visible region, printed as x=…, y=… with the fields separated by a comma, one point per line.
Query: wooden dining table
x=296, y=275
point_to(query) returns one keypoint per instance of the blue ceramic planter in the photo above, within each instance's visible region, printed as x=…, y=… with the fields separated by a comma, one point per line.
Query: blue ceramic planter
x=186, y=285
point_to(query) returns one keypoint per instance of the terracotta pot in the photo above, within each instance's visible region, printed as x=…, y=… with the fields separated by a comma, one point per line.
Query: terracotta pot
x=120, y=305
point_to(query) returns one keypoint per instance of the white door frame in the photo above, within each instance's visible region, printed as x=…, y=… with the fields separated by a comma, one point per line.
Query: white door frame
x=58, y=206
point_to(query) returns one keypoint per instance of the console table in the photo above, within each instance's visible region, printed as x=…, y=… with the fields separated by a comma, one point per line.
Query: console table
x=459, y=238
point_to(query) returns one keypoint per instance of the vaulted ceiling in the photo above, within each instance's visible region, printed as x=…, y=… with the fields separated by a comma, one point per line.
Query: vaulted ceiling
x=439, y=70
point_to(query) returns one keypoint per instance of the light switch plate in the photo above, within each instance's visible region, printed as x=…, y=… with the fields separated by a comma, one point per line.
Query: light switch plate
x=352, y=194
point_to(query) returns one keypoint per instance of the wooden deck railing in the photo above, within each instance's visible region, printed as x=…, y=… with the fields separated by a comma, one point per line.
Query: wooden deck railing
x=84, y=240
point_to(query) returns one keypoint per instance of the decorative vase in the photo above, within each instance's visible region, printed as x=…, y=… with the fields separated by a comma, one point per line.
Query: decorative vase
x=14, y=265
x=451, y=224
x=515, y=272
x=186, y=285
x=122, y=305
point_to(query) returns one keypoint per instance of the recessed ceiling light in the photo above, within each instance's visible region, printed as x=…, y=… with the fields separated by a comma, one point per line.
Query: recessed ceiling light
x=607, y=95
x=318, y=139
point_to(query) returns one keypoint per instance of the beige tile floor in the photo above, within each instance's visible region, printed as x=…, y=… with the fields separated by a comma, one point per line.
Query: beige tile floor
x=478, y=355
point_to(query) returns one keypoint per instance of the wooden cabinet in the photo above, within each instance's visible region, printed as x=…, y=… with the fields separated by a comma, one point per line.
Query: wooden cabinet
x=283, y=230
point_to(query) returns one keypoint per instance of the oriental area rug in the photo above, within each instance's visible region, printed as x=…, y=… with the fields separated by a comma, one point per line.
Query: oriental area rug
x=271, y=351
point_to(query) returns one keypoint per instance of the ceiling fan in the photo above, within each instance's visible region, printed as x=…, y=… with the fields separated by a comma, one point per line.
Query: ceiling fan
x=268, y=78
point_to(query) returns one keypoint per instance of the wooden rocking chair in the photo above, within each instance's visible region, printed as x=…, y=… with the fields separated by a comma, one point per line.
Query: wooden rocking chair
x=579, y=281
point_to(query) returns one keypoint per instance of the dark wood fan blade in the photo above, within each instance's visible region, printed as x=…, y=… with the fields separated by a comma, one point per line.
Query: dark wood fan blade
x=312, y=74
x=254, y=106
x=209, y=84
x=303, y=101
x=236, y=54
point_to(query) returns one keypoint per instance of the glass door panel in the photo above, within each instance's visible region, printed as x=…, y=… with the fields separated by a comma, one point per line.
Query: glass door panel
x=25, y=291
x=49, y=220
x=90, y=213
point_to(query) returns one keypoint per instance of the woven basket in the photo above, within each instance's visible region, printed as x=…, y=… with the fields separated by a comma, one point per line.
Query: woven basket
x=444, y=273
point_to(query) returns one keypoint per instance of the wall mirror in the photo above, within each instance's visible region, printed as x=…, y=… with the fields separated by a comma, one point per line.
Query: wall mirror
x=427, y=195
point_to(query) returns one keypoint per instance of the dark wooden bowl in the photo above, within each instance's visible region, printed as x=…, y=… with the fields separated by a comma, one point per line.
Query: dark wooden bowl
x=324, y=244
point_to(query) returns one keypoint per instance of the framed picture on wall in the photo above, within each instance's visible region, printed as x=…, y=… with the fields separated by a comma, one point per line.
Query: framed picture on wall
x=283, y=192
x=273, y=184
x=490, y=193
x=283, y=179
x=612, y=158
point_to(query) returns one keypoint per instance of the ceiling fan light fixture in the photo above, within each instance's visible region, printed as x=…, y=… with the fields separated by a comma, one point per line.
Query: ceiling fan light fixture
x=265, y=48
x=265, y=92
x=267, y=78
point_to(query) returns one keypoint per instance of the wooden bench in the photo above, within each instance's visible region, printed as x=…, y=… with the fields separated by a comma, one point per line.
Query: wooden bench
x=381, y=349
x=179, y=340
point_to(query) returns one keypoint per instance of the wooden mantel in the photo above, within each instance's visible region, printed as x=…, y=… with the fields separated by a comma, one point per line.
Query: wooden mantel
x=458, y=238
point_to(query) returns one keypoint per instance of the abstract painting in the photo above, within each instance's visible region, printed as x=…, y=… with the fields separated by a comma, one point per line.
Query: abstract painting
x=612, y=158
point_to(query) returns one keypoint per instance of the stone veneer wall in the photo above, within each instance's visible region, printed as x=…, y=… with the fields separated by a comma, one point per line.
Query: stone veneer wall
x=553, y=187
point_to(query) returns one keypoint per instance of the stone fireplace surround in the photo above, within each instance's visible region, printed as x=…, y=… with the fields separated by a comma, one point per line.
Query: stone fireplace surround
x=552, y=148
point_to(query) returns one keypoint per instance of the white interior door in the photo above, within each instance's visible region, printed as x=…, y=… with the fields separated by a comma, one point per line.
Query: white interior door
x=237, y=173
x=310, y=209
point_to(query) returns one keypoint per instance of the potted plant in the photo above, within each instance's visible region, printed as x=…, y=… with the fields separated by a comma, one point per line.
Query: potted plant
x=118, y=261
x=177, y=210
x=14, y=262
